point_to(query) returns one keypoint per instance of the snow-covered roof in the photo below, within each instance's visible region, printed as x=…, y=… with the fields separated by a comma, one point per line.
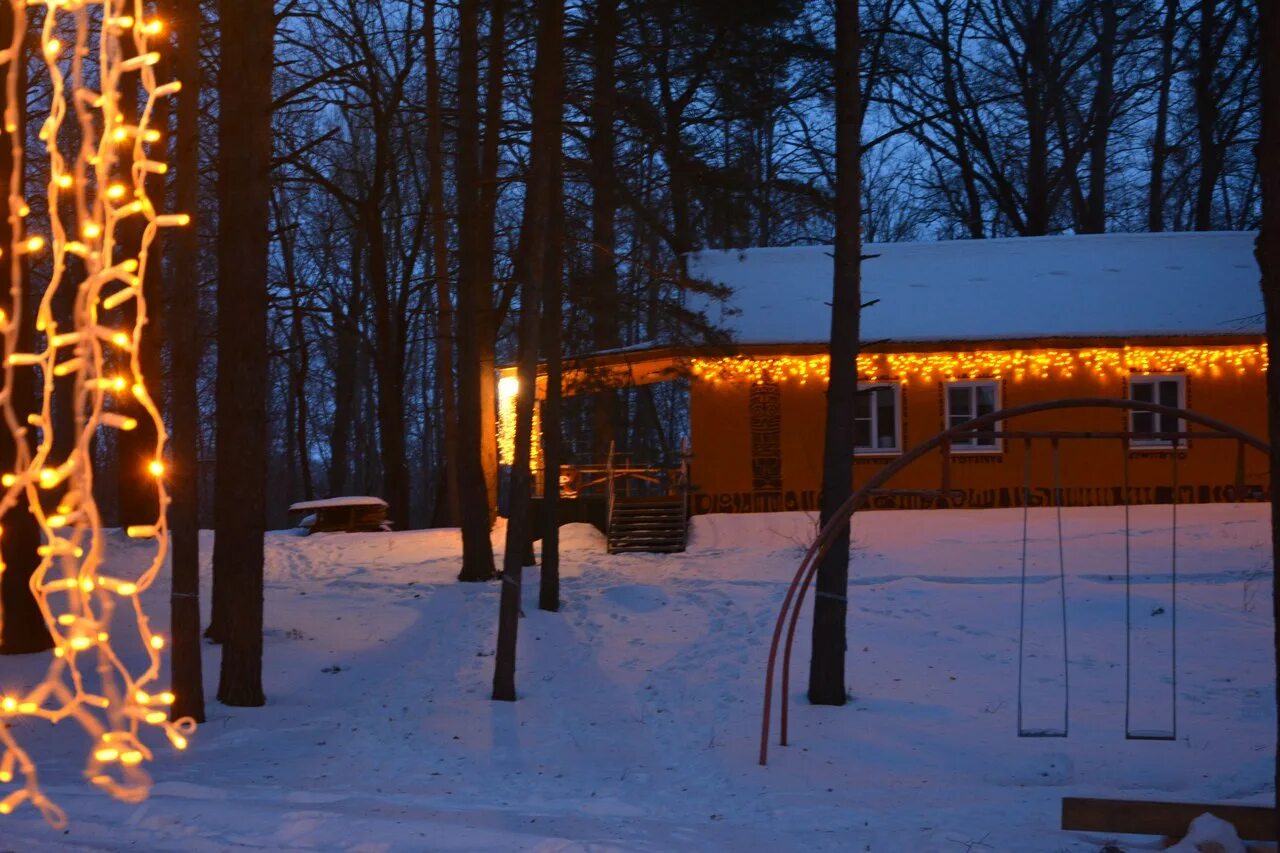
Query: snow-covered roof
x=1095, y=285
x=334, y=503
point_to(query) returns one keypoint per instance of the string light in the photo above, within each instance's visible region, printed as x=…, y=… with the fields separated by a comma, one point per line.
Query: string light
x=1017, y=365
x=77, y=601
x=508, y=389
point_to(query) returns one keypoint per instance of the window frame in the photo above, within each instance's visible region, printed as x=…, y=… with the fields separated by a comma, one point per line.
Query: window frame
x=896, y=386
x=997, y=445
x=1154, y=379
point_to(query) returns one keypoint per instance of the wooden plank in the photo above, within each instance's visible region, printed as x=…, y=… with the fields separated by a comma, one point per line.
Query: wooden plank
x=1143, y=817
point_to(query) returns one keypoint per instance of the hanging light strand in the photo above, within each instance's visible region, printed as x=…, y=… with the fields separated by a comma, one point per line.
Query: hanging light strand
x=1017, y=365
x=86, y=681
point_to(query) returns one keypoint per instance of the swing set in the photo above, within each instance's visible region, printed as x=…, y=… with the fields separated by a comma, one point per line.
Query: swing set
x=988, y=427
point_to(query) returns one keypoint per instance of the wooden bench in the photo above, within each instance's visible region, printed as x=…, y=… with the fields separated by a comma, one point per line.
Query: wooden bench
x=343, y=515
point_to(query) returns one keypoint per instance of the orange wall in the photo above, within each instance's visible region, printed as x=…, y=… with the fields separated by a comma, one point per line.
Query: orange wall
x=1092, y=470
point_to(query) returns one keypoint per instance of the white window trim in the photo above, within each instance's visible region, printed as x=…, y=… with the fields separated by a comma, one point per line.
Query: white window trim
x=1151, y=378
x=998, y=447
x=896, y=450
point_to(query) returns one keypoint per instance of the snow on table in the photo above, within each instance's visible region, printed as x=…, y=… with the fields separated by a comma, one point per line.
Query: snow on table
x=337, y=503
x=639, y=702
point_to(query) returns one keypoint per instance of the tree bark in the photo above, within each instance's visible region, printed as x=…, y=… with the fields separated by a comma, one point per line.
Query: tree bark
x=487, y=317
x=1206, y=106
x=1096, y=209
x=185, y=665
x=552, y=309
x=24, y=630
x=345, y=373
x=1268, y=253
x=244, y=186
x=547, y=110
x=474, y=291
x=1160, y=144
x=137, y=499
x=826, y=667
x=440, y=262
x=606, y=412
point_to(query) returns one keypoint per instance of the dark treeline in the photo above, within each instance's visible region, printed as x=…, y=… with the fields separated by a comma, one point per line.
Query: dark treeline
x=402, y=149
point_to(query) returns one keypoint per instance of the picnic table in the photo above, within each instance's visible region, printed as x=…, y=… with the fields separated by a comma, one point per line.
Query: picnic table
x=343, y=514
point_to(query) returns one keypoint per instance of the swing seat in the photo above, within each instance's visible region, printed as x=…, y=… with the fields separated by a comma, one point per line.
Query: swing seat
x=1042, y=732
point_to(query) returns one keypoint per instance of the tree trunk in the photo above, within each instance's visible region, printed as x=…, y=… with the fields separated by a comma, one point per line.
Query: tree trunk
x=186, y=669
x=826, y=667
x=487, y=318
x=1096, y=210
x=388, y=357
x=24, y=630
x=474, y=291
x=345, y=374
x=1268, y=251
x=1206, y=106
x=552, y=296
x=244, y=186
x=606, y=412
x=440, y=262
x=137, y=499
x=1160, y=145
x=1035, y=102
x=547, y=109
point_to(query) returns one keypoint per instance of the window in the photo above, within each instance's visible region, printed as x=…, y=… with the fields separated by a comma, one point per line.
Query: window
x=969, y=400
x=1164, y=390
x=876, y=420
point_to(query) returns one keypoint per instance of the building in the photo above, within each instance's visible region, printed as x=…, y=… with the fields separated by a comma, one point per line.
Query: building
x=953, y=330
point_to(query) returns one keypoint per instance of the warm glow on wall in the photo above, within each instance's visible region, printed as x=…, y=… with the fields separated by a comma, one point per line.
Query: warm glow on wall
x=508, y=390
x=1015, y=365
x=87, y=681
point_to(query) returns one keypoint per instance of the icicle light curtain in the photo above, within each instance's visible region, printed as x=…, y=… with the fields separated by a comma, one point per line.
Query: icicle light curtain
x=92, y=51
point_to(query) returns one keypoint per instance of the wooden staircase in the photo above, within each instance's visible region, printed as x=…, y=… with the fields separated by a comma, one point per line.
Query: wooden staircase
x=654, y=524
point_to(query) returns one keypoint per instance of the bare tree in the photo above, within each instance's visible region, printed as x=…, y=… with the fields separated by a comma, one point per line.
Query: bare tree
x=533, y=270
x=826, y=667
x=438, y=217
x=244, y=187
x=184, y=353
x=474, y=294
x=24, y=630
x=1268, y=252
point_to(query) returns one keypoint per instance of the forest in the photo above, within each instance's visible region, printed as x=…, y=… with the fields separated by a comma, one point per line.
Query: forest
x=400, y=187
x=389, y=200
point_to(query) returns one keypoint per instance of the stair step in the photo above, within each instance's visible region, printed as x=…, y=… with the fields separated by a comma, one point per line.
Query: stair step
x=658, y=521
x=653, y=547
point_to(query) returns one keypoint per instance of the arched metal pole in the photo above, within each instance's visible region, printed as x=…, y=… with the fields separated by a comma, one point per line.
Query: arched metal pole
x=822, y=543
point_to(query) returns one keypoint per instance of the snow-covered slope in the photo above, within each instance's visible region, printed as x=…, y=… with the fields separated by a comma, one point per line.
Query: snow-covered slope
x=639, y=710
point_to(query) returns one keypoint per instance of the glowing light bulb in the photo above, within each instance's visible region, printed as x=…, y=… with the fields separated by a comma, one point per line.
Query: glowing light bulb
x=156, y=468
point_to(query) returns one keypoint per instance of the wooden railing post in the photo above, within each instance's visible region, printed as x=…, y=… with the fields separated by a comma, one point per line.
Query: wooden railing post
x=609, y=493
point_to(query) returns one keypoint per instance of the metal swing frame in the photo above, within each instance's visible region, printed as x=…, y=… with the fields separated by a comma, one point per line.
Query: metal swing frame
x=1023, y=729
x=986, y=426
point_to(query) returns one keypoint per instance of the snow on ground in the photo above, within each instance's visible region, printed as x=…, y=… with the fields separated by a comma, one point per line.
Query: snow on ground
x=639, y=712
